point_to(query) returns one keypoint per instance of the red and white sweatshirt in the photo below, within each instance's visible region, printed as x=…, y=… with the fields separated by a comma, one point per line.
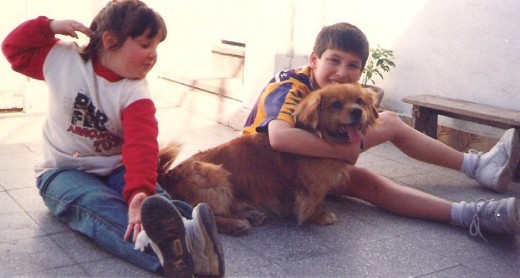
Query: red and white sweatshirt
x=97, y=120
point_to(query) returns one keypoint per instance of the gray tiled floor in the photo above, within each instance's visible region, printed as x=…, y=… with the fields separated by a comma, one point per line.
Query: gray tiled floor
x=365, y=242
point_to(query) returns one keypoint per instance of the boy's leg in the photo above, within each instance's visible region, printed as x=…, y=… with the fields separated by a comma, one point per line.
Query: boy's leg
x=493, y=170
x=412, y=142
x=500, y=216
x=87, y=205
x=386, y=194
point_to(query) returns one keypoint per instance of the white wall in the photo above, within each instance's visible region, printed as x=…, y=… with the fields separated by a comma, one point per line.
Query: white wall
x=466, y=49
x=16, y=89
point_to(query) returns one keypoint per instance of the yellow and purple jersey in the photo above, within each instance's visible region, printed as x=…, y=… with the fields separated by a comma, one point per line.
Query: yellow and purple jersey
x=279, y=99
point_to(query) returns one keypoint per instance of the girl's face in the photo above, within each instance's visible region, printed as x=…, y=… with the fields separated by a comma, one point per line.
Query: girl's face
x=135, y=58
x=335, y=66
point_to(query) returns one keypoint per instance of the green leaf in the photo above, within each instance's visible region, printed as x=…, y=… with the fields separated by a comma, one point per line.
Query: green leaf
x=380, y=60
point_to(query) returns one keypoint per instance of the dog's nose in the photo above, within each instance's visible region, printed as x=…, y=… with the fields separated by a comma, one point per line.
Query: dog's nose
x=355, y=114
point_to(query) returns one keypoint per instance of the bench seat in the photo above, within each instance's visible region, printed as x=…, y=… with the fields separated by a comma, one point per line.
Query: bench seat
x=426, y=109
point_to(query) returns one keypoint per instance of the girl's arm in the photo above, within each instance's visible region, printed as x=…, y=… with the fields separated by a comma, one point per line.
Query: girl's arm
x=27, y=46
x=140, y=148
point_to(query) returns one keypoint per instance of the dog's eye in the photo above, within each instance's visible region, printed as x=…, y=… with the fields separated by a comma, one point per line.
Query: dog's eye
x=360, y=101
x=336, y=105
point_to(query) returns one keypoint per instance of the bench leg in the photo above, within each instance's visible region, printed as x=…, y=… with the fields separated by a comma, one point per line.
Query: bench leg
x=516, y=173
x=425, y=120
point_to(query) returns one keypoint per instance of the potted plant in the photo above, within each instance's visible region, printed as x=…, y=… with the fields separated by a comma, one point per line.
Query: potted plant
x=379, y=61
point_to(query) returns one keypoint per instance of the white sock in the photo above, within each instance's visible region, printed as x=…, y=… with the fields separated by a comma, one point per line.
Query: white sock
x=462, y=213
x=144, y=240
x=469, y=163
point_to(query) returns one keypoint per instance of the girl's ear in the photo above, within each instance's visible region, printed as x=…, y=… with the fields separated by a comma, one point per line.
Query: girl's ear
x=108, y=40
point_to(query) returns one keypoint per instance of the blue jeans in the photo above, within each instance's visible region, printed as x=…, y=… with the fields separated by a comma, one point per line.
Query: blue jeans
x=94, y=206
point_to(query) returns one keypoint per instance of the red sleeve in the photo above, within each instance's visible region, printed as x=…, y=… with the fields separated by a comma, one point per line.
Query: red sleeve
x=27, y=46
x=140, y=148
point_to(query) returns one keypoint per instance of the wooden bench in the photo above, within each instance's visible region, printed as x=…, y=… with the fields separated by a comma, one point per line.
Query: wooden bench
x=426, y=109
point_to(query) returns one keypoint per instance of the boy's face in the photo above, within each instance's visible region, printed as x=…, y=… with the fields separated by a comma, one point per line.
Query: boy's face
x=335, y=66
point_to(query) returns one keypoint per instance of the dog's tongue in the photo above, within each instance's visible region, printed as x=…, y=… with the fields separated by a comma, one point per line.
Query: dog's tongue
x=354, y=134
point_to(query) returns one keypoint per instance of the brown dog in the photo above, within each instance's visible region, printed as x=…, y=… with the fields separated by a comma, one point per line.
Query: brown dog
x=244, y=180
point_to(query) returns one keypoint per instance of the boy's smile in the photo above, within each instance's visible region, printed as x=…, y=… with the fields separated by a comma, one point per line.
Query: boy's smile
x=335, y=66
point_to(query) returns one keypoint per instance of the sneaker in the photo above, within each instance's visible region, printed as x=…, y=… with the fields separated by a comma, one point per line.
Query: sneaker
x=164, y=226
x=501, y=216
x=495, y=168
x=203, y=242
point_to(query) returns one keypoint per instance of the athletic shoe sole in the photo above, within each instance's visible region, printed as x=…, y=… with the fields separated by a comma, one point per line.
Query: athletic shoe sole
x=509, y=172
x=165, y=227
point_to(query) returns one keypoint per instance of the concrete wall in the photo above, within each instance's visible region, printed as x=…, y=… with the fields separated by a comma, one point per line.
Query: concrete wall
x=16, y=90
x=466, y=49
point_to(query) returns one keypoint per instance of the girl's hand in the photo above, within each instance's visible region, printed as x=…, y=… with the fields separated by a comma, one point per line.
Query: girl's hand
x=69, y=28
x=135, y=225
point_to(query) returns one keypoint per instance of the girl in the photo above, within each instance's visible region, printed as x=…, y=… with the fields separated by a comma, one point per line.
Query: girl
x=100, y=138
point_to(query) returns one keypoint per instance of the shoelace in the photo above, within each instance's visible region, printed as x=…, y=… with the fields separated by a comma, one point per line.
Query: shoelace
x=474, y=227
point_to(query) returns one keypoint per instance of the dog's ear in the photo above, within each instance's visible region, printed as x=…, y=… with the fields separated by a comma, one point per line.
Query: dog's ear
x=307, y=112
x=373, y=113
x=372, y=96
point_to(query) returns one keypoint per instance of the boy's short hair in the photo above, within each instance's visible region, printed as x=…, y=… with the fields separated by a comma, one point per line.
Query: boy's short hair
x=342, y=36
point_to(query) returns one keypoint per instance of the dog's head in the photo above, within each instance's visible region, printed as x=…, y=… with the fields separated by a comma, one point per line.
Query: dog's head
x=338, y=113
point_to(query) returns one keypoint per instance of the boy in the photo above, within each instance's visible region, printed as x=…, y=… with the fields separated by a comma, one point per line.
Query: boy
x=339, y=56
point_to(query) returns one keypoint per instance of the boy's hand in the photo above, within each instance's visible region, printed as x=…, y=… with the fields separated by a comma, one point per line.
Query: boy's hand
x=69, y=28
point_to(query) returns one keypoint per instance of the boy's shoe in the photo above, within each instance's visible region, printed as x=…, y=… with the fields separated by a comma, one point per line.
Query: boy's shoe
x=500, y=216
x=203, y=242
x=495, y=169
x=165, y=227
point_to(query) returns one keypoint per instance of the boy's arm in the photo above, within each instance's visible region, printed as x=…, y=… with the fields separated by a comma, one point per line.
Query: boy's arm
x=286, y=138
x=140, y=149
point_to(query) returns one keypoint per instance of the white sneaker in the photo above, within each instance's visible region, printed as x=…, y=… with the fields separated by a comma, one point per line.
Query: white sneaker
x=500, y=216
x=495, y=169
x=203, y=242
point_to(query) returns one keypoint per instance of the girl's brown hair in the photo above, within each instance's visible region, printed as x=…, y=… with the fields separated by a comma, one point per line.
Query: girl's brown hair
x=123, y=19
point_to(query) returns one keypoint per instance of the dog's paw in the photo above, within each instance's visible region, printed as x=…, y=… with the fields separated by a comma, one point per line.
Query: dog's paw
x=239, y=228
x=255, y=217
x=324, y=218
x=232, y=226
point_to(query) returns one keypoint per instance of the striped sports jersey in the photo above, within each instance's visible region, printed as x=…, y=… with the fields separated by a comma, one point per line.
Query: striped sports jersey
x=279, y=99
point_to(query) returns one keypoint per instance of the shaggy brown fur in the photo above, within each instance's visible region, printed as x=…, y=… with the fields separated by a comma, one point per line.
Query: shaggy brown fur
x=245, y=180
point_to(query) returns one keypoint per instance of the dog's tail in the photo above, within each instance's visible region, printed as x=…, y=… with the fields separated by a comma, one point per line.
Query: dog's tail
x=167, y=155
